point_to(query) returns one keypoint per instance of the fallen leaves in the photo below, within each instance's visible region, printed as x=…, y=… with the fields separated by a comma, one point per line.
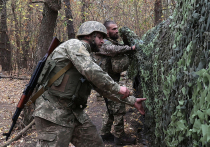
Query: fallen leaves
x=11, y=90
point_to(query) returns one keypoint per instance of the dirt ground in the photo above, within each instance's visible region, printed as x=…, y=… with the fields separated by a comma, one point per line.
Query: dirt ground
x=11, y=91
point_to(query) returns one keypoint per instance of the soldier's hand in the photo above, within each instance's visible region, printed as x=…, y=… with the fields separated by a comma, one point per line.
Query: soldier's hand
x=133, y=47
x=138, y=105
x=124, y=91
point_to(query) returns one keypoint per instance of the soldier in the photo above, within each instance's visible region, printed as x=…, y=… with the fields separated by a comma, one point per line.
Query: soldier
x=113, y=59
x=59, y=115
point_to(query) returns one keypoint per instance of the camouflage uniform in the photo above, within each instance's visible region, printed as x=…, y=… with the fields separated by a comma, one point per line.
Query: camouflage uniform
x=59, y=114
x=112, y=59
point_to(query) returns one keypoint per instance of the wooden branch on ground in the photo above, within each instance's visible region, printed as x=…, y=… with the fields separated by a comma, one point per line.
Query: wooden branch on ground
x=38, y=2
x=19, y=134
x=11, y=77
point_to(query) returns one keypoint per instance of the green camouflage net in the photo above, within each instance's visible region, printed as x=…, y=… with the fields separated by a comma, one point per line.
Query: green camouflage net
x=172, y=60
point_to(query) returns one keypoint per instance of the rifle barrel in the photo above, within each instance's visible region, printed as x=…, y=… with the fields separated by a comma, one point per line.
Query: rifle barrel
x=14, y=119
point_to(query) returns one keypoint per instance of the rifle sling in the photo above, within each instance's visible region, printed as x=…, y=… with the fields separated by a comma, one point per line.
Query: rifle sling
x=50, y=82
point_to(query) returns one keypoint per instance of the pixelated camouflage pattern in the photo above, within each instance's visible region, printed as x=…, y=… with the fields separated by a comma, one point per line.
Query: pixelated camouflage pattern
x=115, y=118
x=53, y=135
x=113, y=48
x=129, y=100
x=120, y=61
x=102, y=60
x=48, y=107
x=109, y=60
x=112, y=58
x=90, y=27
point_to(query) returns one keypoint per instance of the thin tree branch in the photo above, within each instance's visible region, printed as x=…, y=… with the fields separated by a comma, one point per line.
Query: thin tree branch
x=10, y=77
x=38, y=2
x=18, y=135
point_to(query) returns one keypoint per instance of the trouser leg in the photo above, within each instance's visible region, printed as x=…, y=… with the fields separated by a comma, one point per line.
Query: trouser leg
x=118, y=113
x=118, y=125
x=107, y=121
x=86, y=135
x=52, y=135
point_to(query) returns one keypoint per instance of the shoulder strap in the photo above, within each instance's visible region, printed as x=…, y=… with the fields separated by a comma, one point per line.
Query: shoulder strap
x=50, y=82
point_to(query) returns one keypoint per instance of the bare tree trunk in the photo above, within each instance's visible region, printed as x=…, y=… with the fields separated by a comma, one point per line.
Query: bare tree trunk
x=137, y=17
x=158, y=12
x=25, y=43
x=17, y=35
x=83, y=11
x=5, y=48
x=69, y=17
x=25, y=48
x=48, y=24
x=27, y=37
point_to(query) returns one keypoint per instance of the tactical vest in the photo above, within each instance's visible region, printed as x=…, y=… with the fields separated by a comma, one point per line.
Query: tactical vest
x=71, y=87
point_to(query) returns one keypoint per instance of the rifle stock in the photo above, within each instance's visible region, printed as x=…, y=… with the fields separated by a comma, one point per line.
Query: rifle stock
x=31, y=85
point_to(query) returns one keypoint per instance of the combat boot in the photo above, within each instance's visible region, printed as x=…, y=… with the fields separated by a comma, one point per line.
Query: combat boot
x=108, y=137
x=124, y=140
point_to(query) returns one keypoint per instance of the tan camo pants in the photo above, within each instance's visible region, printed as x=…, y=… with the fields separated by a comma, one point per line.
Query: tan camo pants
x=53, y=135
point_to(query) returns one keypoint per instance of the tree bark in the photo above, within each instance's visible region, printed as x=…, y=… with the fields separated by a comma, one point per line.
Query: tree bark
x=17, y=36
x=158, y=12
x=48, y=24
x=26, y=42
x=137, y=16
x=5, y=48
x=83, y=11
x=25, y=47
x=69, y=17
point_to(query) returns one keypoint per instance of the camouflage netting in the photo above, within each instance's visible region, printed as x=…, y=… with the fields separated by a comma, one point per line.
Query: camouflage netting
x=172, y=60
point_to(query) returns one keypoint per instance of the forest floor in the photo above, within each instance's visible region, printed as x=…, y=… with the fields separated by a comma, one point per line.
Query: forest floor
x=11, y=91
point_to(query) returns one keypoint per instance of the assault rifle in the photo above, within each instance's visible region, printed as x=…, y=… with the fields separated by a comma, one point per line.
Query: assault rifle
x=31, y=85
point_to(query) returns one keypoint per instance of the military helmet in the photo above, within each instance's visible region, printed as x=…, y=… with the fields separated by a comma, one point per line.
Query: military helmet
x=89, y=27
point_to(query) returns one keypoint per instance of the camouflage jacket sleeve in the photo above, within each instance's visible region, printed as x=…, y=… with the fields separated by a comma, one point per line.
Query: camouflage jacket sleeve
x=83, y=62
x=129, y=100
x=110, y=49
